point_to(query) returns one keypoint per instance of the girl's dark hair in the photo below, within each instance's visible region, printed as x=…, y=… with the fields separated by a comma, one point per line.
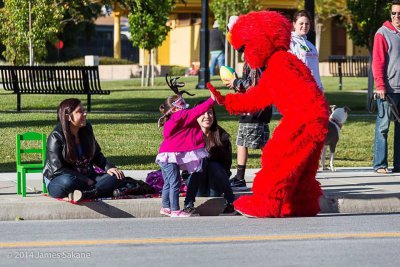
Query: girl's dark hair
x=303, y=13
x=214, y=137
x=165, y=108
x=65, y=110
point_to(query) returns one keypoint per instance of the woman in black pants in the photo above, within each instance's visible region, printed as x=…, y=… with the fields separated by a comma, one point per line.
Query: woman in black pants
x=72, y=152
x=213, y=181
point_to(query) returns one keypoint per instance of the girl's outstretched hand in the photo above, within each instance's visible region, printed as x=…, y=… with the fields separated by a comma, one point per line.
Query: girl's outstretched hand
x=216, y=95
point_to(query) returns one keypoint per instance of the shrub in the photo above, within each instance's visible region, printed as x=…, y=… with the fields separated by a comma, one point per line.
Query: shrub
x=177, y=70
x=103, y=61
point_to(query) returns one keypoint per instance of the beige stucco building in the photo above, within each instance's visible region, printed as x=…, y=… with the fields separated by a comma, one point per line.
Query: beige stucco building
x=182, y=45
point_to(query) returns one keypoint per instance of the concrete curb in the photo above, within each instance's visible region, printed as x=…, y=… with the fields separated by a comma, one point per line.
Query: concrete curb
x=360, y=204
x=50, y=209
x=350, y=191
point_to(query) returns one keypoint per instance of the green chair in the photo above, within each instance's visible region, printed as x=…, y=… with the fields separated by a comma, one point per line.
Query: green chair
x=27, y=147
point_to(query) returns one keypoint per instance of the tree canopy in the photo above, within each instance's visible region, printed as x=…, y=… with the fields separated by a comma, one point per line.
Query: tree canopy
x=224, y=8
x=325, y=9
x=365, y=18
x=148, y=22
x=14, y=27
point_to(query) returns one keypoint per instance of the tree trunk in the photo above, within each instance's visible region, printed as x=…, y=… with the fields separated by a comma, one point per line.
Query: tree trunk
x=232, y=58
x=142, y=74
x=318, y=32
x=370, y=95
x=152, y=67
x=148, y=69
x=226, y=41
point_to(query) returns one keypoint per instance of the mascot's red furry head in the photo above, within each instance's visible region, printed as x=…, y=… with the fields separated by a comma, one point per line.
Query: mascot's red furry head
x=273, y=34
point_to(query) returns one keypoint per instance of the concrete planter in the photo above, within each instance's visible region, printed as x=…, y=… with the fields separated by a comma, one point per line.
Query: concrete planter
x=122, y=72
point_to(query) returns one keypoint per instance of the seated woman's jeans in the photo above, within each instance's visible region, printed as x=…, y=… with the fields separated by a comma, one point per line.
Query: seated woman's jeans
x=62, y=185
x=212, y=182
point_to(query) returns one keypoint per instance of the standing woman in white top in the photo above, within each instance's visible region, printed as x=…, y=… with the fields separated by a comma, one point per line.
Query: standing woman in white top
x=301, y=47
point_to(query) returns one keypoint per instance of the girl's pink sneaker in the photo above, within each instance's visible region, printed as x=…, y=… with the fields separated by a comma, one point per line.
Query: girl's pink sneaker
x=180, y=214
x=165, y=211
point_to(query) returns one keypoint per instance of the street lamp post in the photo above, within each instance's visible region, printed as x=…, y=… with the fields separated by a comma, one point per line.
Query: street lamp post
x=204, y=72
x=31, y=58
x=309, y=5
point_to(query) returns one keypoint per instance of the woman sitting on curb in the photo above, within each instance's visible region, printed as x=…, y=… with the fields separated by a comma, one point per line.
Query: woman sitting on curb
x=214, y=180
x=72, y=150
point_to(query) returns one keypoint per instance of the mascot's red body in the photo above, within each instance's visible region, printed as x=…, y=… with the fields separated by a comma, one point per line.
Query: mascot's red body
x=286, y=184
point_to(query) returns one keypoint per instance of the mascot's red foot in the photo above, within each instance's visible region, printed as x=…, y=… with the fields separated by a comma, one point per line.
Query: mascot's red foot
x=255, y=206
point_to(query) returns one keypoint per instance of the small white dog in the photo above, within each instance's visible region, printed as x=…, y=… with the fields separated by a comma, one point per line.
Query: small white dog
x=337, y=118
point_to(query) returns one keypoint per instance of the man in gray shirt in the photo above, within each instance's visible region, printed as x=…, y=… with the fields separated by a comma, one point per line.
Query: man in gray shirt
x=386, y=70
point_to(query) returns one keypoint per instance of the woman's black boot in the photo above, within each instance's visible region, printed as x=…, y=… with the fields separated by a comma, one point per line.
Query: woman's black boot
x=78, y=195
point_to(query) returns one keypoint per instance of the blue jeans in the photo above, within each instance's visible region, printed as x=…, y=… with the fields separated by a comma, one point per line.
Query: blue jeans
x=193, y=183
x=60, y=186
x=381, y=134
x=216, y=56
x=212, y=182
x=172, y=185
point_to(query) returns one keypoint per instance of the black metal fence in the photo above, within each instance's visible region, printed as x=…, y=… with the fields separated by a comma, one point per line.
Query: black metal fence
x=103, y=47
x=349, y=66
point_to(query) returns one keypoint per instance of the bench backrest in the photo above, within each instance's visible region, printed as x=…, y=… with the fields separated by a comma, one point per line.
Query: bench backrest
x=350, y=66
x=50, y=78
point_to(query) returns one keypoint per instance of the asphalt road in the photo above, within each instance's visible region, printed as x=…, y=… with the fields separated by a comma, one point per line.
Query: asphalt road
x=328, y=240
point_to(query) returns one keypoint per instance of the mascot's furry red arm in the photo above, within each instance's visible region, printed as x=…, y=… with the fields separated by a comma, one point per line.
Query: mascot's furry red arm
x=286, y=184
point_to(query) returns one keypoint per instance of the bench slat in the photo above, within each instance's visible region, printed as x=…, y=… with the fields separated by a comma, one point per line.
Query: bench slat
x=52, y=80
x=351, y=66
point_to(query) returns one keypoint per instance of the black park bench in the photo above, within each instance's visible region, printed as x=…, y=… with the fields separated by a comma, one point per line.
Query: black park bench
x=52, y=80
x=348, y=66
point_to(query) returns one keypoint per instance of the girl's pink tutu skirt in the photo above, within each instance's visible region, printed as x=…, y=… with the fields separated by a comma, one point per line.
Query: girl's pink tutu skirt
x=190, y=161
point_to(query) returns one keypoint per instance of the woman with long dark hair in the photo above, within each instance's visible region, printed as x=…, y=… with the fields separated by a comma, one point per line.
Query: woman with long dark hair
x=72, y=152
x=214, y=180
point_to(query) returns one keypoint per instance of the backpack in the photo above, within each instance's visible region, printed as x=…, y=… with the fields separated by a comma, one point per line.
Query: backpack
x=130, y=186
x=156, y=181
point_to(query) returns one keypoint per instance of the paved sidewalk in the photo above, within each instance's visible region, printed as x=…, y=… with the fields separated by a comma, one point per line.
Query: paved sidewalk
x=348, y=190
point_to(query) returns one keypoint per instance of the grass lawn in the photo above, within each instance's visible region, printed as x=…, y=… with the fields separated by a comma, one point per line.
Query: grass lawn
x=125, y=122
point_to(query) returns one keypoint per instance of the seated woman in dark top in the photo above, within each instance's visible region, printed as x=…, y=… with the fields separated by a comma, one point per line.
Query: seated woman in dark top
x=72, y=152
x=214, y=180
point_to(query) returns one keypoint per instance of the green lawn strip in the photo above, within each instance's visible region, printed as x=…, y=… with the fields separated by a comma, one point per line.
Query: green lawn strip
x=127, y=95
x=127, y=129
x=131, y=141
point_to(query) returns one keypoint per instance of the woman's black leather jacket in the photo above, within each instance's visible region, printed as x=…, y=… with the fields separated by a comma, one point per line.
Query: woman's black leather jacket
x=56, y=163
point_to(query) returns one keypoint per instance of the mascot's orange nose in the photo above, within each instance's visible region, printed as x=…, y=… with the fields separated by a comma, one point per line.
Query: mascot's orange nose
x=228, y=36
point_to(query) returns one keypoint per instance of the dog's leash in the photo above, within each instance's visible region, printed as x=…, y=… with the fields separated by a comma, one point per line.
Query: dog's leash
x=372, y=103
x=392, y=106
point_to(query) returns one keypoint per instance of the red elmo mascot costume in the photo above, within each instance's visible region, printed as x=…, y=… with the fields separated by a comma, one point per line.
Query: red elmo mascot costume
x=286, y=184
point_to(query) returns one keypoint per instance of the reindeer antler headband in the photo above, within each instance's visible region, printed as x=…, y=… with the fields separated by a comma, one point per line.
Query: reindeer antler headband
x=174, y=85
x=180, y=102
